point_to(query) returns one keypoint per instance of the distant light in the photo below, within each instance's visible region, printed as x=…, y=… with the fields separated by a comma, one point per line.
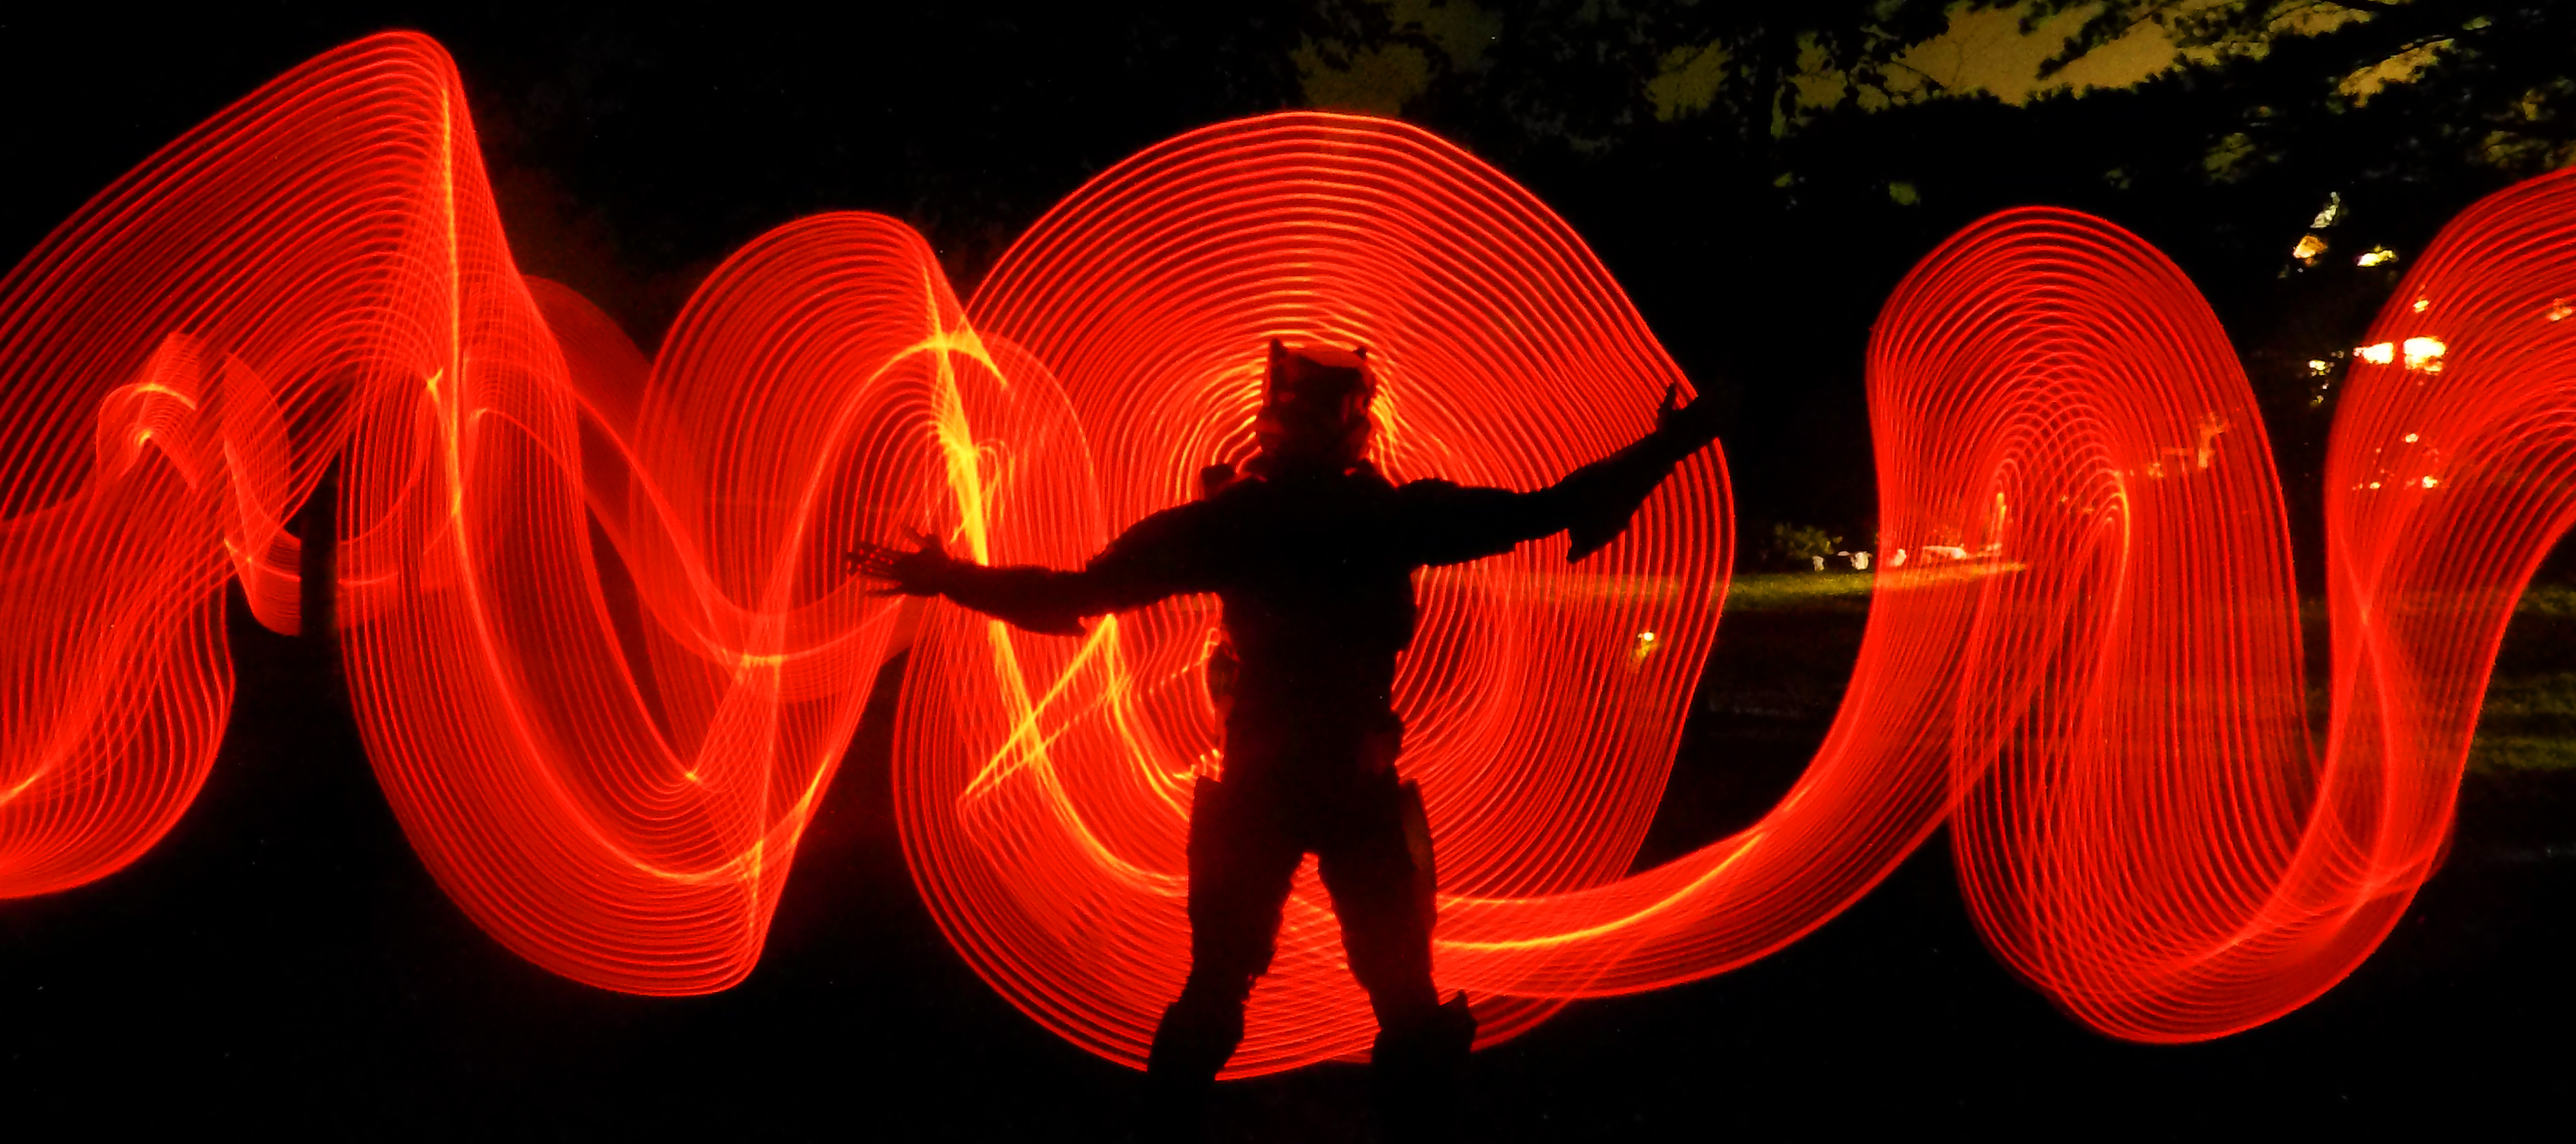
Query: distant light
x=2376, y=256
x=2410, y=438
x=1645, y=637
x=2425, y=354
x=2374, y=484
x=2320, y=366
x=2381, y=354
x=2429, y=482
x=2309, y=247
x=2423, y=304
x=2559, y=309
x=2327, y=214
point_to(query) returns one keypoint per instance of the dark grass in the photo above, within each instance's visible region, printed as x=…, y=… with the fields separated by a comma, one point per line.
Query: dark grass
x=283, y=961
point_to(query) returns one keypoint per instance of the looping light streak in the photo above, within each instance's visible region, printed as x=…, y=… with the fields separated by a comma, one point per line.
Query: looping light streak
x=604, y=660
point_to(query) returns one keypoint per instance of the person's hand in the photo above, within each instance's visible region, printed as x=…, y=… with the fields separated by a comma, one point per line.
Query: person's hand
x=1685, y=429
x=920, y=572
x=1618, y=484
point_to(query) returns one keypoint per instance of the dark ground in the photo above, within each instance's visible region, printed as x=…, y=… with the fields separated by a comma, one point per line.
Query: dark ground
x=283, y=960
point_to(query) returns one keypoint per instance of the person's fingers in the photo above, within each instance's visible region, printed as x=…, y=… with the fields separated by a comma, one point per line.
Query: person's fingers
x=883, y=562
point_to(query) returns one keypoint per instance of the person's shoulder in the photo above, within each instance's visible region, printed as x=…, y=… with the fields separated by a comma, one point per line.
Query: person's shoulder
x=1225, y=495
x=1185, y=517
x=1229, y=496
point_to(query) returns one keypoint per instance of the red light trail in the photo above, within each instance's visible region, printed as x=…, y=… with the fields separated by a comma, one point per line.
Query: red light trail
x=604, y=663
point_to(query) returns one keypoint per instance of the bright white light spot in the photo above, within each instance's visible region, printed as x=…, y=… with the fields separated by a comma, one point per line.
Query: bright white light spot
x=2424, y=354
x=2423, y=304
x=2410, y=438
x=2326, y=216
x=2374, y=484
x=1645, y=637
x=2376, y=256
x=2320, y=366
x=2381, y=354
x=2429, y=482
x=2559, y=309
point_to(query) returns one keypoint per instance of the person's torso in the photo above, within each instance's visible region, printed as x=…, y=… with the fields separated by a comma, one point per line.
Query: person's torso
x=1317, y=601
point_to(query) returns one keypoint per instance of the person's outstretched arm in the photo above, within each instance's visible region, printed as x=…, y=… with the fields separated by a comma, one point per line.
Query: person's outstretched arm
x=1593, y=504
x=1164, y=555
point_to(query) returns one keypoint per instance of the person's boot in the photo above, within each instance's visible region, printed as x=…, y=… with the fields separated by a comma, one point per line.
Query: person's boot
x=1196, y=1036
x=1420, y=1075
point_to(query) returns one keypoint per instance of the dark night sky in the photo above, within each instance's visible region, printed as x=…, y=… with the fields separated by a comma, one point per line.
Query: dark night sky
x=283, y=959
x=632, y=150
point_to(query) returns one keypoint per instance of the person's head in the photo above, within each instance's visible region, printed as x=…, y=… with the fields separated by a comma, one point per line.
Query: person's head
x=1315, y=406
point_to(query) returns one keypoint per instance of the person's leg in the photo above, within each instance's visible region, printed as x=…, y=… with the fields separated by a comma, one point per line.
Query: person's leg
x=1377, y=869
x=1242, y=862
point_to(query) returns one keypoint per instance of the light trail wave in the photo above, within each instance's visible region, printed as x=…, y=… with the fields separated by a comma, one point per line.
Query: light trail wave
x=604, y=663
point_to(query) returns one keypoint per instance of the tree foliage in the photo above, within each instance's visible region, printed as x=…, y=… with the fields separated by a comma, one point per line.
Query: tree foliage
x=1762, y=172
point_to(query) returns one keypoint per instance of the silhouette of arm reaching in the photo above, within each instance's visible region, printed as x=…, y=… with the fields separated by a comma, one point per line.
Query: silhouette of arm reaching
x=1163, y=555
x=1172, y=552
x=1593, y=504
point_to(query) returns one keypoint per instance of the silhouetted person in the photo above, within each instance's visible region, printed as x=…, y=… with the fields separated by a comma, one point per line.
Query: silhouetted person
x=1311, y=554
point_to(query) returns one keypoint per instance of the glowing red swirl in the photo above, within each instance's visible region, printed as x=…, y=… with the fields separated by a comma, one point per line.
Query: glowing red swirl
x=1543, y=701
x=604, y=661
